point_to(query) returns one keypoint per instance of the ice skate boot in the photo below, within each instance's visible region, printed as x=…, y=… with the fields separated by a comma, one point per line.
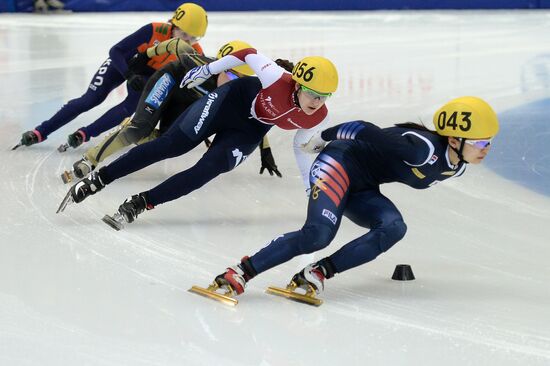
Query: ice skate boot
x=128, y=211
x=55, y=4
x=309, y=280
x=74, y=140
x=232, y=282
x=81, y=168
x=82, y=189
x=40, y=6
x=29, y=138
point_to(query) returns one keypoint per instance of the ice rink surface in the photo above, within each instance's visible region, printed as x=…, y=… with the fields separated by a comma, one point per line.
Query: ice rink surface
x=75, y=292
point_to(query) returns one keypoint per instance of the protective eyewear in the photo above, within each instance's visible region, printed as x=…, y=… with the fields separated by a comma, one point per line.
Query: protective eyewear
x=479, y=144
x=315, y=95
x=231, y=75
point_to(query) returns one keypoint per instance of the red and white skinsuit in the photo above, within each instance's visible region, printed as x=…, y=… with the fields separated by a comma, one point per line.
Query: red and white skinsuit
x=275, y=104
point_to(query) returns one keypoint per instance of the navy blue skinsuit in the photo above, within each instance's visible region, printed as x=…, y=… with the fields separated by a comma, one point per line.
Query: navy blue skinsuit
x=108, y=77
x=345, y=179
x=224, y=112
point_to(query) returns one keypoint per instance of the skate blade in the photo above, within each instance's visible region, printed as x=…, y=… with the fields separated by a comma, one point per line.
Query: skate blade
x=67, y=176
x=16, y=146
x=62, y=148
x=211, y=293
x=68, y=199
x=112, y=222
x=307, y=298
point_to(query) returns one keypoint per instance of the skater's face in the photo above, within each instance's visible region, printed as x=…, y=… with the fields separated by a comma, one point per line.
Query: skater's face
x=474, y=150
x=178, y=33
x=310, y=102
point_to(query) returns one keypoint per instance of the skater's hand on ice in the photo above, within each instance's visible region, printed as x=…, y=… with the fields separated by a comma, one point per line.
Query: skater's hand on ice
x=268, y=162
x=196, y=76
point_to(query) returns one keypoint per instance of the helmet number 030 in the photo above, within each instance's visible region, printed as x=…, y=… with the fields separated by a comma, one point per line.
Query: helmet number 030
x=179, y=14
x=301, y=71
x=451, y=122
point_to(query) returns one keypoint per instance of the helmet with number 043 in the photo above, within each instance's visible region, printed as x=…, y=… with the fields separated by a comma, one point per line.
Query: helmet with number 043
x=316, y=73
x=466, y=117
x=232, y=47
x=191, y=18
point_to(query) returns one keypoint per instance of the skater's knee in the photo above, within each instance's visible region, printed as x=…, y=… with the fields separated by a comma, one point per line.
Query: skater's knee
x=131, y=135
x=391, y=234
x=90, y=99
x=315, y=237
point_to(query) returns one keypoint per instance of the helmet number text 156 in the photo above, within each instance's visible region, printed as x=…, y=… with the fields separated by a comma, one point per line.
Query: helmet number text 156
x=301, y=71
x=451, y=122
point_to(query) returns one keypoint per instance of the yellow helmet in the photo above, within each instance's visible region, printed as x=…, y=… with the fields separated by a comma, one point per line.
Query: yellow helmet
x=467, y=117
x=232, y=47
x=316, y=73
x=191, y=18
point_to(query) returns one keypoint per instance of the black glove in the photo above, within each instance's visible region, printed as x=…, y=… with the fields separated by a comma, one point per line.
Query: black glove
x=136, y=82
x=268, y=162
x=76, y=139
x=138, y=63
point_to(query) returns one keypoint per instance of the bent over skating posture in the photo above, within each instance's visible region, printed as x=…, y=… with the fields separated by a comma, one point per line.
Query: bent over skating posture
x=345, y=180
x=188, y=23
x=239, y=113
x=164, y=99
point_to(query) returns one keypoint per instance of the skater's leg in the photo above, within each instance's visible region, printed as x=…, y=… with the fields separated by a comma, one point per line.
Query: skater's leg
x=329, y=193
x=113, y=116
x=228, y=150
x=171, y=144
x=180, y=138
x=148, y=105
x=372, y=210
x=110, y=144
x=103, y=82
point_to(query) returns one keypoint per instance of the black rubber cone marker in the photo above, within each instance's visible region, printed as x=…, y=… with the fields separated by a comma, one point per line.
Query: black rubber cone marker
x=403, y=272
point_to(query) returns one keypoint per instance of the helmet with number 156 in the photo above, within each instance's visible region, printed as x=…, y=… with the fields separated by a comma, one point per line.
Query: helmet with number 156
x=466, y=117
x=191, y=18
x=316, y=73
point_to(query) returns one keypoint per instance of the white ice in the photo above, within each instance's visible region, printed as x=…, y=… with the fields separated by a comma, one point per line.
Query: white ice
x=75, y=292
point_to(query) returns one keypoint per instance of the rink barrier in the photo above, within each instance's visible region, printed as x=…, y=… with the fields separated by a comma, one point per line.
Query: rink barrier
x=279, y=5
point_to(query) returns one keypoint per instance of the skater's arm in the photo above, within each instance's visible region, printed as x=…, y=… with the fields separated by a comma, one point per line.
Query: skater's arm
x=304, y=151
x=410, y=146
x=121, y=52
x=174, y=46
x=265, y=68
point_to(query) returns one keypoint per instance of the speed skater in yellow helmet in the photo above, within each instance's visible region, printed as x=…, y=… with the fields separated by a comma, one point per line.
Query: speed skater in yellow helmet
x=317, y=74
x=232, y=47
x=470, y=124
x=191, y=19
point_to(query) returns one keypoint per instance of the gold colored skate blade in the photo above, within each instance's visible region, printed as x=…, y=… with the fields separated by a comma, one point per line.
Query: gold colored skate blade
x=292, y=295
x=67, y=177
x=212, y=294
x=109, y=220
